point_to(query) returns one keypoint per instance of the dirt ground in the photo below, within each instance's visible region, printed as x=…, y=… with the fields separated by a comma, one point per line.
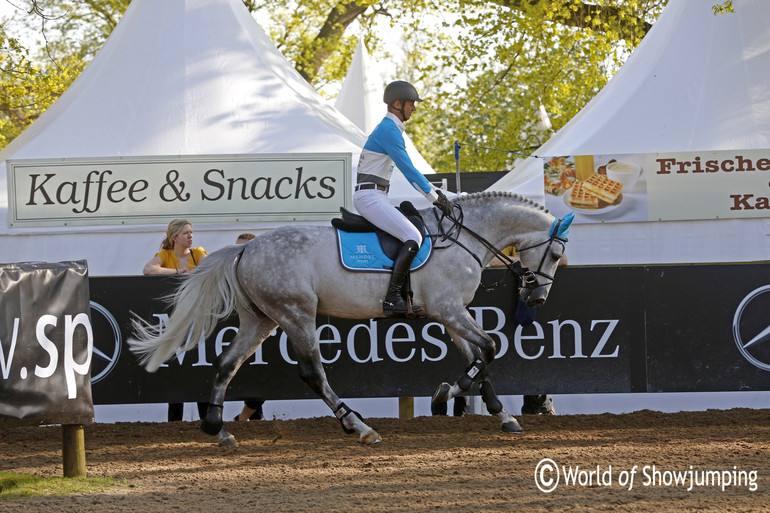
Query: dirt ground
x=423, y=464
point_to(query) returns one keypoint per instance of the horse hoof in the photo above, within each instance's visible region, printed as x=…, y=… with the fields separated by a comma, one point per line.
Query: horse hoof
x=442, y=393
x=512, y=427
x=371, y=437
x=227, y=440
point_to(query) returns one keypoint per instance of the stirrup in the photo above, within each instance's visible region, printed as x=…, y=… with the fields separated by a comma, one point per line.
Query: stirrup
x=399, y=307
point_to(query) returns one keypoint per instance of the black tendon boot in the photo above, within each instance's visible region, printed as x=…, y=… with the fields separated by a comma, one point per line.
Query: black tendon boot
x=394, y=304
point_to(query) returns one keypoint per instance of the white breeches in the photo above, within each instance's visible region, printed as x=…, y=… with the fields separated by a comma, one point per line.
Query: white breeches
x=374, y=205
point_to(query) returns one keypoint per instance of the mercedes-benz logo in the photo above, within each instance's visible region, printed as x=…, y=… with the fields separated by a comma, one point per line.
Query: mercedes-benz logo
x=106, y=352
x=751, y=327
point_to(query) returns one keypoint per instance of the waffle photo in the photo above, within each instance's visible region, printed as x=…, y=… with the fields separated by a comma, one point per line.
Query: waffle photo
x=598, y=188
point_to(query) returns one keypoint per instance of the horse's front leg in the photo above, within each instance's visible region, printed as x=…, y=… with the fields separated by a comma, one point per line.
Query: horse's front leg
x=494, y=405
x=475, y=372
x=464, y=331
x=302, y=337
x=508, y=423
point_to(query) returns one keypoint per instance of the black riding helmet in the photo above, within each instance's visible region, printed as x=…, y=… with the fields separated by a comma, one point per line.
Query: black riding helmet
x=400, y=90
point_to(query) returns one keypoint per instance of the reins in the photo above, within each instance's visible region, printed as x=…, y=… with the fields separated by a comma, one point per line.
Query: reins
x=527, y=276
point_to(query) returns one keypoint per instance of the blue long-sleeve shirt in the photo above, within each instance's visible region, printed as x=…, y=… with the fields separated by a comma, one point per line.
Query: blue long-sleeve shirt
x=385, y=148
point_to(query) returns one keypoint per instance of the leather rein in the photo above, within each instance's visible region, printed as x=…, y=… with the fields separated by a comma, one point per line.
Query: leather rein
x=528, y=277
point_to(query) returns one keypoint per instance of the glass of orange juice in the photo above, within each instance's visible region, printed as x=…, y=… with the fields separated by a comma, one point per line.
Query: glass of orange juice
x=584, y=166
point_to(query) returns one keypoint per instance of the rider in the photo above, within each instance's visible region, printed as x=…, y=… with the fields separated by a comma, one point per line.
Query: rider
x=384, y=149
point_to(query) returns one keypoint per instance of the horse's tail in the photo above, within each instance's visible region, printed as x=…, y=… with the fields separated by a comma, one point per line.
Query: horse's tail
x=206, y=296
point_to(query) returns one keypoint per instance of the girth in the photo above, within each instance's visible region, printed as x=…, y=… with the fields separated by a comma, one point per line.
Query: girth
x=351, y=222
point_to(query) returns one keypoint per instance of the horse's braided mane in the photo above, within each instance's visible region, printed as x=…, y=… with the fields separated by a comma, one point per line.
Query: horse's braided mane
x=501, y=194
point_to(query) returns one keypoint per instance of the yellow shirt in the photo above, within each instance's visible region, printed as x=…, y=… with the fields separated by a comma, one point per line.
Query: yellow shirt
x=509, y=251
x=170, y=261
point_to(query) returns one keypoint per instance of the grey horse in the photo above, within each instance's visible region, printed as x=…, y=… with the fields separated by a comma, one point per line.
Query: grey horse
x=287, y=276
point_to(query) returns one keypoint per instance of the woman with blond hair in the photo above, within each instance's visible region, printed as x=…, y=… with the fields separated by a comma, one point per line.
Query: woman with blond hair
x=176, y=255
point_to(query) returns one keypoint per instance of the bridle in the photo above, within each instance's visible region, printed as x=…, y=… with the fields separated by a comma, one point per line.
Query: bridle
x=527, y=276
x=552, y=237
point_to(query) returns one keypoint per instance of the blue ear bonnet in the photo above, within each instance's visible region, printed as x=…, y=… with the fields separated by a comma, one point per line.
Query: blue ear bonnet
x=560, y=227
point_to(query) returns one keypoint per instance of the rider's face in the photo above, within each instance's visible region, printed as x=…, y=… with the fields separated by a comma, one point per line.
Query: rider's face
x=409, y=108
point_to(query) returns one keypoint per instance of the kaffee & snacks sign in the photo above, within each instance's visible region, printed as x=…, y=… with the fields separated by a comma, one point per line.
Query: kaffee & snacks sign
x=218, y=188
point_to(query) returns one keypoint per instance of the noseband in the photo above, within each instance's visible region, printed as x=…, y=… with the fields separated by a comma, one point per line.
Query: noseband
x=528, y=277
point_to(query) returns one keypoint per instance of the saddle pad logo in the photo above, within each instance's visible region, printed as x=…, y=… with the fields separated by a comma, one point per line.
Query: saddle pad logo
x=362, y=252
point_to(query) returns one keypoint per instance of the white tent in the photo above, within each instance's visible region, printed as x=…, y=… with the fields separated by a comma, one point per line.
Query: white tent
x=698, y=81
x=177, y=77
x=360, y=99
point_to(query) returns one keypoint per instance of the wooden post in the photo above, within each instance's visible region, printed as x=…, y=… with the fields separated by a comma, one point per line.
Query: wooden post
x=406, y=407
x=73, y=450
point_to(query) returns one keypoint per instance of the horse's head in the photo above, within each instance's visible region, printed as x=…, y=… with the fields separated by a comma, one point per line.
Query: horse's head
x=540, y=258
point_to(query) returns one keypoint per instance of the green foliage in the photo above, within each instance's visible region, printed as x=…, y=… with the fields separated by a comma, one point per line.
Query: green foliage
x=317, y=36
x=483, y=65
x=70, y=33
x=26, y=88
x=509, y=60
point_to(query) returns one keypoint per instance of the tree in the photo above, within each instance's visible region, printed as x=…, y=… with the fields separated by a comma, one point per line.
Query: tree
x=485, y=65
x=26, y=88
x=511, y=60
x=71, y=32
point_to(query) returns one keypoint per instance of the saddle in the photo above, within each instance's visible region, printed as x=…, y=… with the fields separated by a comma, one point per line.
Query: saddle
x=354, y=223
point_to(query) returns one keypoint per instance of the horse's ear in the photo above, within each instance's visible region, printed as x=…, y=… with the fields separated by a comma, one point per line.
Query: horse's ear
x=565, y=224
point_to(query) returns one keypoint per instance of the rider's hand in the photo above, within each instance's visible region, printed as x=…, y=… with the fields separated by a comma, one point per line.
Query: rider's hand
x=443, y=203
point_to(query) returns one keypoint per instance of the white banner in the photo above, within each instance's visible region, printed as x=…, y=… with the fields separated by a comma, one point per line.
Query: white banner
x=727, y=184
x=217, y=188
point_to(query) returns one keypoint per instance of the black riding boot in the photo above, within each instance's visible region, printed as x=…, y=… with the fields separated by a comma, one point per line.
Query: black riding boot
x=394, y=304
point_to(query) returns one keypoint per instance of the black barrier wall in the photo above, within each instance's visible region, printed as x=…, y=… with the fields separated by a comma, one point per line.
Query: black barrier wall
x=603, y=329
x=46, y=344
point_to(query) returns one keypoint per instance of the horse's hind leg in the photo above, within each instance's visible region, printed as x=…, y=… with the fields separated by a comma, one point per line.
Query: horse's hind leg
x=254, y=328
x=300, y=330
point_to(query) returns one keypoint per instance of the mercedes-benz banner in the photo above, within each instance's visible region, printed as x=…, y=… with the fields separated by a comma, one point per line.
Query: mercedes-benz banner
x=675, y=328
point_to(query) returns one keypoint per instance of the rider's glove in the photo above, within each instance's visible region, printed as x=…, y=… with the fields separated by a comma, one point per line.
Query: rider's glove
x=443, y=203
